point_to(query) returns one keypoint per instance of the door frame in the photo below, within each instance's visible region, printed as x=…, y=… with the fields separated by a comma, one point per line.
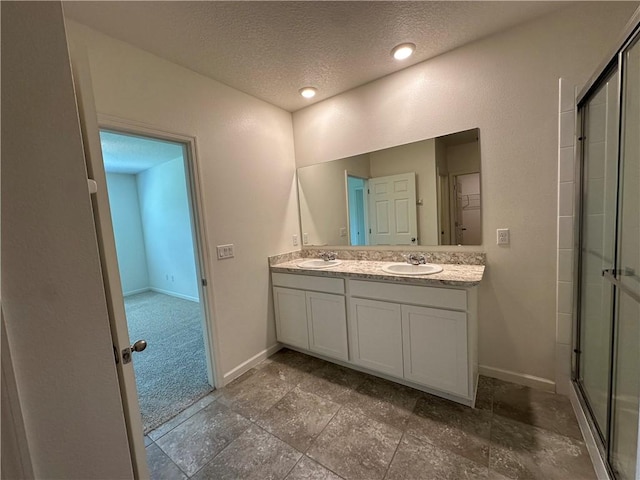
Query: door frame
x=365, y=206
x=198, y=229
x=453, y=201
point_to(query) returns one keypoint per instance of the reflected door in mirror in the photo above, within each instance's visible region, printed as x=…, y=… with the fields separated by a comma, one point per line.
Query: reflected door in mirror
x=392, y=206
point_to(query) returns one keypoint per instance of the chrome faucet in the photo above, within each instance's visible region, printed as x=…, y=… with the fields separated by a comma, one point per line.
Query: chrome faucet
x=415, y=258
x=326, y=256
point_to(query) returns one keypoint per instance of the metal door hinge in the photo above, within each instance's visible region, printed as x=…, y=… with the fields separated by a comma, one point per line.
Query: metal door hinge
x=204, y=282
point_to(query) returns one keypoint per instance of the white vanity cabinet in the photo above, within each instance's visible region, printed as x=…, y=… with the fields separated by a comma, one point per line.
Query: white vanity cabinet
x=435, y=348
x=421, y=336
x=311, y=314
x=291, y=316
x=375, y=335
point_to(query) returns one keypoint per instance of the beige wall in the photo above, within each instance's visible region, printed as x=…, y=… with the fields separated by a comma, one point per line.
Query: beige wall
x=507, y=85
x=53, y=299
x=463, y=158
x=420, y=158
x=323, y=199
x=245, y=154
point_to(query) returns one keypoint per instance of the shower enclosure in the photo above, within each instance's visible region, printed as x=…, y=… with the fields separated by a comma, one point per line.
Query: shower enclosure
x=606, y=360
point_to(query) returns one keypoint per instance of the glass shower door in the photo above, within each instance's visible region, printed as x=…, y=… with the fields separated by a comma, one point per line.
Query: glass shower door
x=626, y=277
x=599, y=196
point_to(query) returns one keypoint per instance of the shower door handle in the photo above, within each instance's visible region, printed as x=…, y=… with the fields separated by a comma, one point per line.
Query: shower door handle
x=625, y=272
x=610, y=275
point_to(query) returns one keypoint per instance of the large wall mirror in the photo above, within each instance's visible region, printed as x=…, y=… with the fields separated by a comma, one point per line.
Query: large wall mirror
x=421, y=193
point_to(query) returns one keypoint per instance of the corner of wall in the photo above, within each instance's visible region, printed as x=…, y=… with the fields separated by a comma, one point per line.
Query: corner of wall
x=565, y=245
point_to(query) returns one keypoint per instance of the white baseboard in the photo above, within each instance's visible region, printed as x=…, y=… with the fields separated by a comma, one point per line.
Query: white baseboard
x=249, y=364
x=520, y=378
x=174, y=294
x=135, y=292
x=587, y=434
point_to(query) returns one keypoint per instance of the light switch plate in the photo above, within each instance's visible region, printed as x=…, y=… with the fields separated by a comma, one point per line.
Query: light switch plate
x=225, y=251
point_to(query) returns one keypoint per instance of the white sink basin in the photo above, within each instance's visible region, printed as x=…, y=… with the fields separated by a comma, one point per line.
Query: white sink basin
x=409, y=269
x=319, y=263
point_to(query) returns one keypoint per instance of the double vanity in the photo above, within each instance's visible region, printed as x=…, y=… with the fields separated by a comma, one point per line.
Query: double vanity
x=374, y=312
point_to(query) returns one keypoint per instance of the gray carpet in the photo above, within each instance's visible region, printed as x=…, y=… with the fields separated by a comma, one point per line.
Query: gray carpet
x=171, y=373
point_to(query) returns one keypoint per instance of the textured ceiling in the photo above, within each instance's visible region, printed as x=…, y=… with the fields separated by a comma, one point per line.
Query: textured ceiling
x=124, y=153
x=272, y=49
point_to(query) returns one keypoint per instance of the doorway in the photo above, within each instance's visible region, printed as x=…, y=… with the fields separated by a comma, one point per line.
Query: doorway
x=466, y=222
x=157, y=254
x=357, y=206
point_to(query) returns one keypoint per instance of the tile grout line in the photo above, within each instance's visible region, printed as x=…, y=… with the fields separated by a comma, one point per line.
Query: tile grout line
x=493, y=386
x=294, y=465
x=223, y=449
x=320, y=433
x=386, y=472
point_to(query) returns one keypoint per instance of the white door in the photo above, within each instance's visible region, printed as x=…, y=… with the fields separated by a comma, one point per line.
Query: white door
x=111, y=275
x=435, y=348
x=327, y=322
x=291, y=317
x=392, y=210
x=375, y=335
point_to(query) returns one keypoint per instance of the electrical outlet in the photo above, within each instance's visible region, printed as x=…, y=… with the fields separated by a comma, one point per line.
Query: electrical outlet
x=503, y=236
x=225, y=251
x=295, y=240
x=305, y=239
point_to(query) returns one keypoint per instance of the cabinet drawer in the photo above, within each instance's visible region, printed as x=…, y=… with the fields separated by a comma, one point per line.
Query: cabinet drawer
x=308, y=282
x=450, y=298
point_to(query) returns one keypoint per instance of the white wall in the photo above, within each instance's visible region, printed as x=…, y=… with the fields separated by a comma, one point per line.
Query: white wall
x=127, y=228
x=506, y=85
x=420, y=158
x=166, y=221
x=246, y=159
x=52, y=293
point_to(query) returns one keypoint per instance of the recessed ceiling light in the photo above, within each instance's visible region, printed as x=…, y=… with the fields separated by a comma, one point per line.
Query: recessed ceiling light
x=402, y=51
x=308, y=92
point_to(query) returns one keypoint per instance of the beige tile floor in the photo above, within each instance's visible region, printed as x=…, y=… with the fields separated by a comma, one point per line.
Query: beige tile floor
x=296, y=417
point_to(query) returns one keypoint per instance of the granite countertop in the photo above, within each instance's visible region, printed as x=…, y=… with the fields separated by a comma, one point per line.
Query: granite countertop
x=451, y=275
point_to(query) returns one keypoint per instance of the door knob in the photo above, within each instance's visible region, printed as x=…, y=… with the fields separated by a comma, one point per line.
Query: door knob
x=139, y=346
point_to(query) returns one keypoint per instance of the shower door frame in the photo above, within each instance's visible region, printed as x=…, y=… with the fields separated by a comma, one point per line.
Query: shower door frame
x=613, y=62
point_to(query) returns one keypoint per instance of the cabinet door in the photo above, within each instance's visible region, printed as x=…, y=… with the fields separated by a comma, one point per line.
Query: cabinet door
x=327, y=323
x=291, y=317
x=435, y=348
x=375, y=335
